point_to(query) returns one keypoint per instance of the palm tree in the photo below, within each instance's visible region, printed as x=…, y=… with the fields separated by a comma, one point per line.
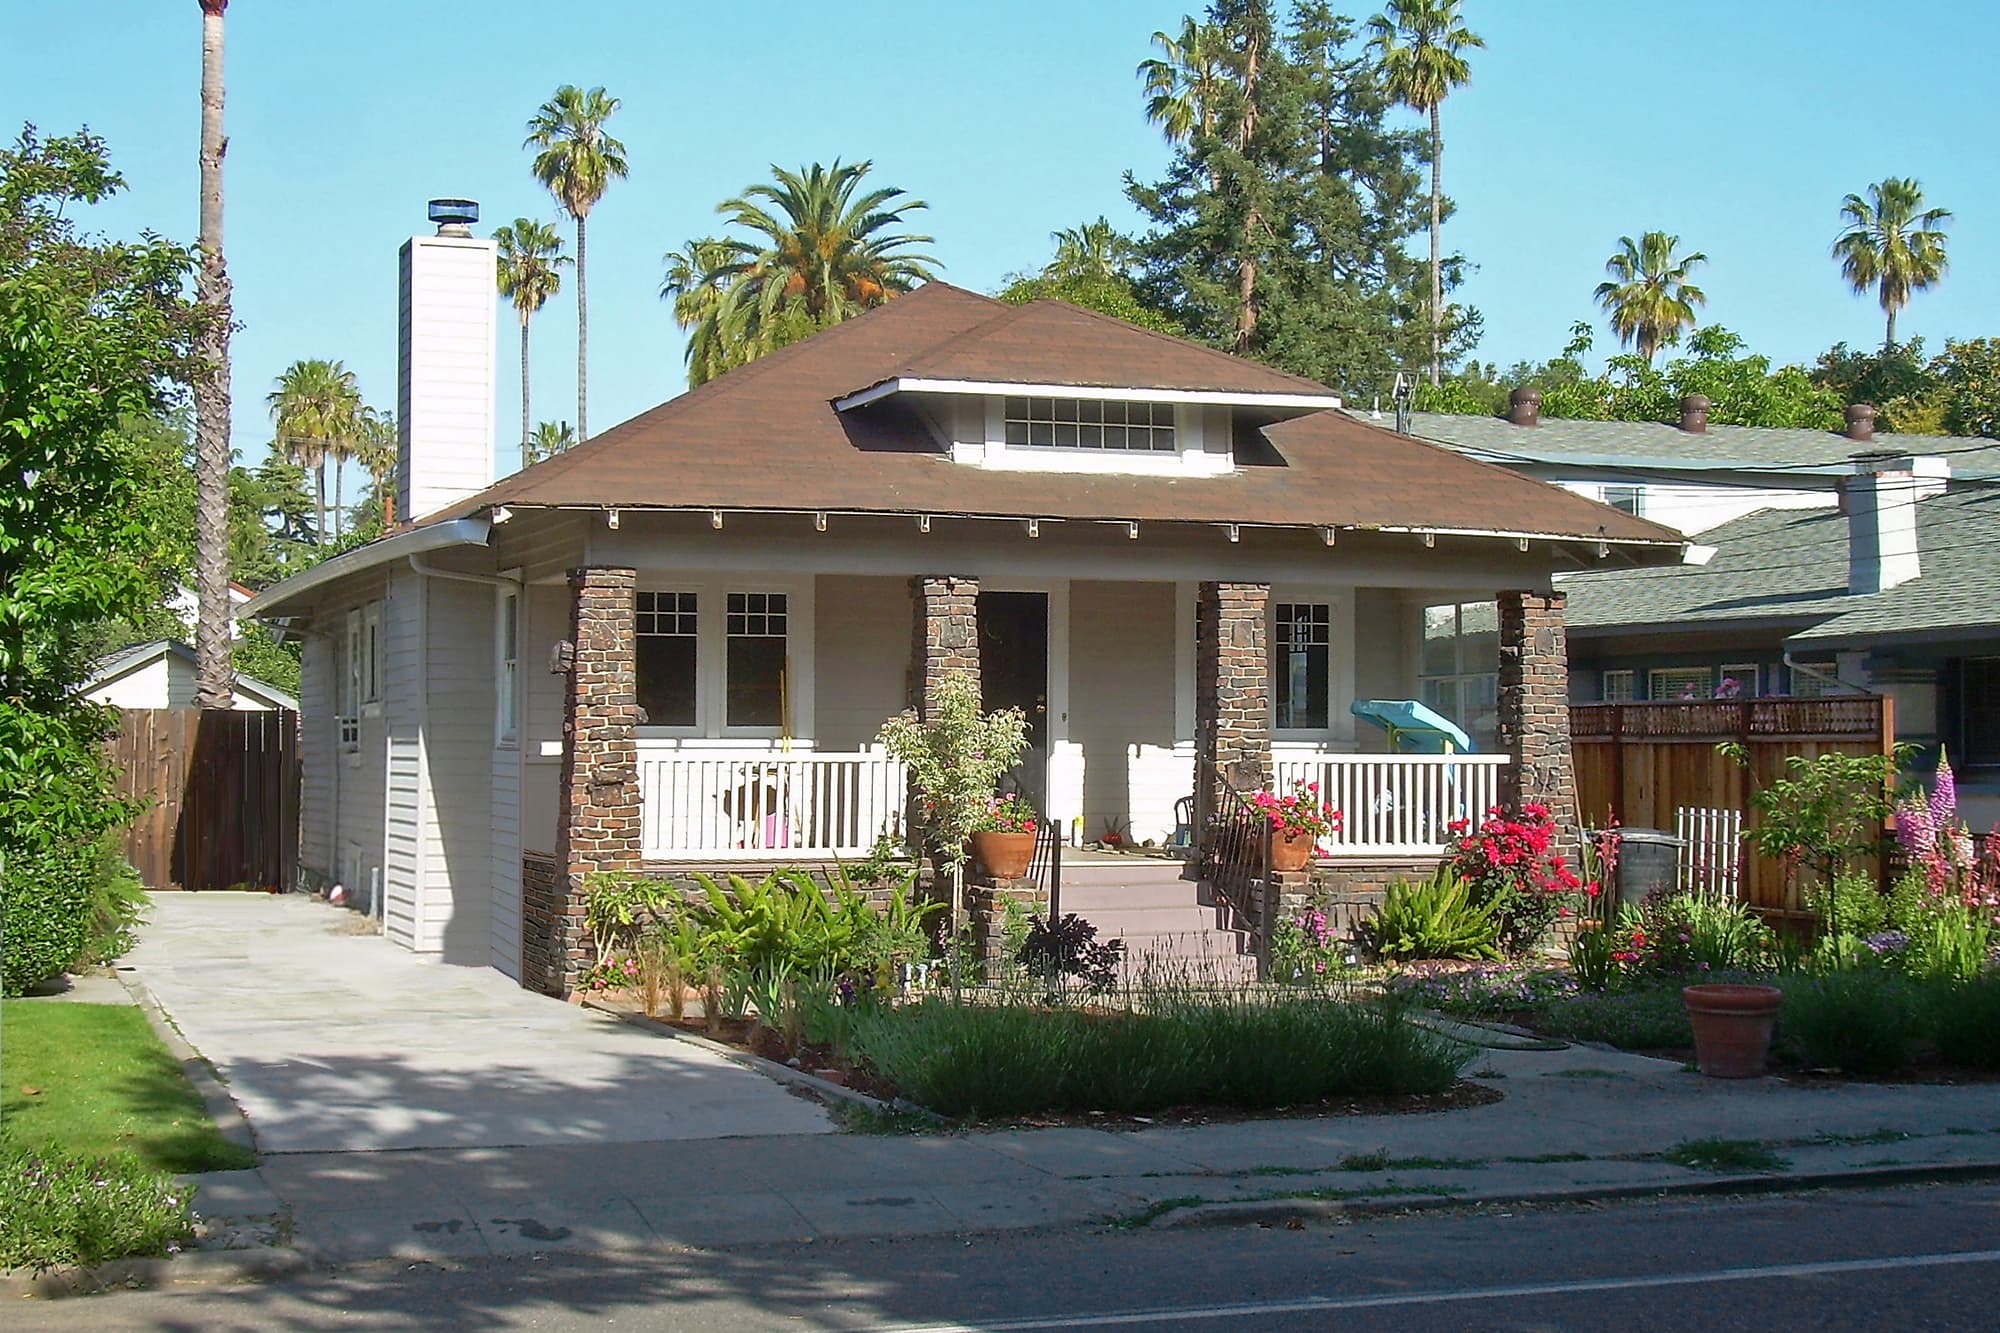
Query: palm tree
x=577, y=162
x=1892, y=243
x=1185, y=83
x=1094, y=250
x=1422, y=46
x=549, y=439
x=820, y=251
x=1651, y=300
x=316, y=409
x=530, y=272
x=375, y=450
x=215, y=679
x=695, y=283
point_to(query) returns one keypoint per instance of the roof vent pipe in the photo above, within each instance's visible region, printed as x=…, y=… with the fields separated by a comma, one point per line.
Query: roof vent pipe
x=1861, y=422
x=1694, y=414
x=1524, y=407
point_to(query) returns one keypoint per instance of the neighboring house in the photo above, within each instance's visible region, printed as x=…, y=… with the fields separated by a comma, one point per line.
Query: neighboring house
x=186, y=605
x=1692, y=475
x=161, y=674
x=1895, y=592
x=674, y=645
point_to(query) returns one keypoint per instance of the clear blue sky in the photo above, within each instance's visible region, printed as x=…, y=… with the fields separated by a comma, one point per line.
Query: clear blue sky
x=1737, y=125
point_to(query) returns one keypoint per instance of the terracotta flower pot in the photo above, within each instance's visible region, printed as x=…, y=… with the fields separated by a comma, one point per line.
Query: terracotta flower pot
x=1291, y=851
x=1732, y=1027
x=1004, y=855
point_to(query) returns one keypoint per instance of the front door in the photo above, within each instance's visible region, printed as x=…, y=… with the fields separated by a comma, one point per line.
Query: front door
x=1014, y=673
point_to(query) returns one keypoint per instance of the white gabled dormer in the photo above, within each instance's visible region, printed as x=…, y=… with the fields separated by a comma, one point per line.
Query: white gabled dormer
x=1009, y=427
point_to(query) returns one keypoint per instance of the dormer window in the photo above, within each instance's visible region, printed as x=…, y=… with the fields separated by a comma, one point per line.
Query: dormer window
x=1068, y=423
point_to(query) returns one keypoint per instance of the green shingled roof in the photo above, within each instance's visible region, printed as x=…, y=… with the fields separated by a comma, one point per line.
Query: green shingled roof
x=1654, y=445
x=1788, y=567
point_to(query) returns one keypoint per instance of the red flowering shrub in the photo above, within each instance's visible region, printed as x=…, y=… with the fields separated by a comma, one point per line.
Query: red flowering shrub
x=1510, y=861
x=1301, y=813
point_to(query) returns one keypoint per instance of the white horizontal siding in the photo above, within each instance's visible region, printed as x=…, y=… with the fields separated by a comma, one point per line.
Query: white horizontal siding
x=318, y=741
x=456, y=805
x=403, y=708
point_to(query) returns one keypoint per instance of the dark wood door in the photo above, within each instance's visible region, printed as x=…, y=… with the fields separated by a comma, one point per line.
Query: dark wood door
x=1014, y=673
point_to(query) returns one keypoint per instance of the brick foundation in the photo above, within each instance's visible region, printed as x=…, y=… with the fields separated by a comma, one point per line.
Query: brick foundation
x=541, y=913
x=597, y=821
x=1232, y=687
x=986, y=902
x=1534, y=709
x=1347, y=891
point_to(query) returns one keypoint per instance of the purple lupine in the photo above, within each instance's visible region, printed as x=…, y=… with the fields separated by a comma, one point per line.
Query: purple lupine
x=1915, y=828
x=1944, y=796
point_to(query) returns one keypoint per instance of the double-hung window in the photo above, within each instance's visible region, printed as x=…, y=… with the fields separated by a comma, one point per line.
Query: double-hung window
x=1619, y=687
x=360, y=683
x=1667, y=684
x=1302, y=642
x=1458, y=671
x=669, y=661
x=507, y=679
x=755, y=691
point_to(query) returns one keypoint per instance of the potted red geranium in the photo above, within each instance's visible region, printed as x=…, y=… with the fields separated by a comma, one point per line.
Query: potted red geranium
x=1003, y=839
x=1298, y=822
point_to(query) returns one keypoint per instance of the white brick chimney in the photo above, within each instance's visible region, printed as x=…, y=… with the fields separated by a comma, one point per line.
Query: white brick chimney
x=1880, y=501
x=446, y=363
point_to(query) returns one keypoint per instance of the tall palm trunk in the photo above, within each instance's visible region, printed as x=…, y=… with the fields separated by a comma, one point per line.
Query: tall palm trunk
x=339, y=505
x=582, y=336
x=1437, y=211
x=214, y=680
x=1889, y=338
x=319, y=501
x=525, y=459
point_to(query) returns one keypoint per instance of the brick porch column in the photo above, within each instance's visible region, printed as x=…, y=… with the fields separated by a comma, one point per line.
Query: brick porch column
x=597, y=823
x=1232, y=683
x=945, y=642
x=1534, y=709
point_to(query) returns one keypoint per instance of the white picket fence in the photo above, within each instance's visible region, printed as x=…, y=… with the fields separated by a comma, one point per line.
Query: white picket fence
x=705, y=805
x=1397, y=804
x=1711, y=853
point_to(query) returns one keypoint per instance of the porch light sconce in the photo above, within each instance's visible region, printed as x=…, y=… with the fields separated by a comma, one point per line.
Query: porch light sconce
x=501, y=514
x=1034, y=527
x=562, y=658
x=1521, y=545
x=1603, y=549
x=611, y=519
x=1132, y=530
x=1235, y=532
x=923, y=522
x=1430, y=541
x=1327, y=535
x=715, y=519
x=819, y=522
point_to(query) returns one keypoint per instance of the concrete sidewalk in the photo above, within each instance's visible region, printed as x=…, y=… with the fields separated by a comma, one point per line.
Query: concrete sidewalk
x=1580, y=1120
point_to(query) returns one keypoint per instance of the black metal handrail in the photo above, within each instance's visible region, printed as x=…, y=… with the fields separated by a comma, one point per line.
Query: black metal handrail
x=1235, y=856
x=1045, y=870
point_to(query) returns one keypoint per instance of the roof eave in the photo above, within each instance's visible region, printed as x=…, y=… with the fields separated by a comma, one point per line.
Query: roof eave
x=1296, y=402
x=416, y=541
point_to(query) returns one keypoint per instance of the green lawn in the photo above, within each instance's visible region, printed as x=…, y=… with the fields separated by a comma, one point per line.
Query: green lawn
x=102, y=1083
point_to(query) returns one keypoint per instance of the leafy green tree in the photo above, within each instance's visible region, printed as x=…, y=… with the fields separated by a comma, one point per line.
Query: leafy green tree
x=1300, y=175
x=1893, y=244
x=261, y=655
x=1186, y=82
x=1970, y=374
x=1898, y=381
x=577, y=160
x=92, y=334
x=213, y=452
x=819, y=250
x=530, y=265
x=1111, y=296
x=1650, y=298
x=271, y=534
x=549, y=439
x=1094, y=251
x=316, y=410
x=1422, y=46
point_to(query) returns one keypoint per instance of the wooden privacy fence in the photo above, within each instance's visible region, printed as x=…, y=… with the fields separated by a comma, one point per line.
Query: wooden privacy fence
x=221, y=794
x=1655, y=765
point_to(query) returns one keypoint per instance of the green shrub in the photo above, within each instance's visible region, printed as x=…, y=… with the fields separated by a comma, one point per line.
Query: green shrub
x=1189, y=1048
x=1861, y=1020
x=118, y=905
x=1948, y=941
x=58, y=1210
x=45, y=912
x=1436, y=918
x=1856, y=906
x=1688, y=933
x=1965, y=1021
x=1648, y=1018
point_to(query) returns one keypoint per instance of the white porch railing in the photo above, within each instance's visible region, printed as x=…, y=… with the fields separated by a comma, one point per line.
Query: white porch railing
x=722, y=806
x=1397, y=804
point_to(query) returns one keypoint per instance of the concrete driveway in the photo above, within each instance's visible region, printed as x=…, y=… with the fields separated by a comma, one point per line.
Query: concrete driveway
x=336, y=1041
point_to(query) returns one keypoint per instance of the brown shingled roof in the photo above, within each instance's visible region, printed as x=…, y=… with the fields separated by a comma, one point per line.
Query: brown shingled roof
x=767, y=436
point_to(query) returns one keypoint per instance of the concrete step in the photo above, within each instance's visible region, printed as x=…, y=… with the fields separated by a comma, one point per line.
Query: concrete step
x=1121, y=870
x=1111, y=922
x=1089, y=896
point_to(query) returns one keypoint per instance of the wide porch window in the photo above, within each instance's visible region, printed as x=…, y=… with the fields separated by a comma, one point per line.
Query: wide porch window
x=715, y=661
x=1302, y=641
x=1667, y=684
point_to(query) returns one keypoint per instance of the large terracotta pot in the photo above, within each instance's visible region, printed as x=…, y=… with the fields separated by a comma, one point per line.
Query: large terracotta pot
x=1732, y=1027
x=1004, y=855
x=1291, y=851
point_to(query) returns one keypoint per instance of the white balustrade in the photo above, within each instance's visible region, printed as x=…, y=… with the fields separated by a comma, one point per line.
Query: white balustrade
x=1396, y=804
x=707, y=805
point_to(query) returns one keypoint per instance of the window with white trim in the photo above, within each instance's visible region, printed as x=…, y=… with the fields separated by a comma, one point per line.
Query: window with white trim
x=1070, y=423
x=1302, y=646
x=1815, y=680
x=351, y=667
x=1667, y=684
x=1619, y=687
x=1737, y=682
x=1629, y=499
x=755, y=665
x=1458, y=671
x=507, y=680
x=668, y=659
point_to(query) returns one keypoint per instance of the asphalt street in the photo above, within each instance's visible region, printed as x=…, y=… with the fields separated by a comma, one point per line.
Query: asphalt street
x=1915, y=1257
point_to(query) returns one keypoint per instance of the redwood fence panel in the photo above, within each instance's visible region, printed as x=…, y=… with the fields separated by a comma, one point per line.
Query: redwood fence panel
x=1645, y=763
x=220, y=795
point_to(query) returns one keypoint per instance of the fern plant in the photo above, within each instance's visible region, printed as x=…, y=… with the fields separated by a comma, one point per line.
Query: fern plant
x=1434, y=918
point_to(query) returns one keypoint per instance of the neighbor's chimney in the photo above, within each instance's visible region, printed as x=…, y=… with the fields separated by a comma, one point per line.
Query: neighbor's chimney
x=1524, y=407
x=1861, y=422
x=1694, y=414
x=1880, y=501
x=446, y=363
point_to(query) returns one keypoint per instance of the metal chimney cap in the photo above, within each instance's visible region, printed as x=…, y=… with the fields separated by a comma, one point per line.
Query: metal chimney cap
x=461, y=212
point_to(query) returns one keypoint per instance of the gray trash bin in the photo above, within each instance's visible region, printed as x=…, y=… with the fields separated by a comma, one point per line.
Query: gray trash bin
x=1648, y=859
